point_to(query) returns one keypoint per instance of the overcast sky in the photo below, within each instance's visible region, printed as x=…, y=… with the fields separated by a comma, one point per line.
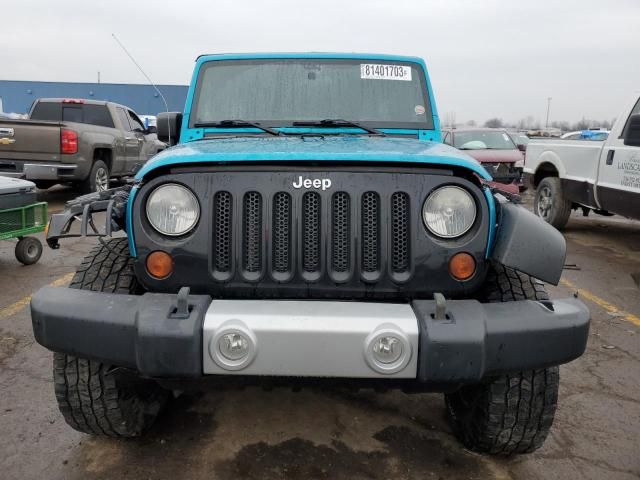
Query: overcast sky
x=486, y=58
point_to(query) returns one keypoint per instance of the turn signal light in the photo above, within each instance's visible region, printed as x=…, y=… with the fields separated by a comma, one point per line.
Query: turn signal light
x=462, y=266
x=159, y=264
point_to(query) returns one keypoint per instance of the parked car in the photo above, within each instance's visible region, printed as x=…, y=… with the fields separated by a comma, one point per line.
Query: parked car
x=83, y=142
x=599, y=176
x=494, y=149
x=596, y=135
x=310, y=228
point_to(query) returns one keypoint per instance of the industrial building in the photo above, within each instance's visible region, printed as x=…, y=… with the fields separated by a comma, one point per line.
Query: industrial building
x=17, y=96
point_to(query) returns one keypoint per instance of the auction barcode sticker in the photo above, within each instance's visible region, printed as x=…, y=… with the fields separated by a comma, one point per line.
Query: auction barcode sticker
x=385, y=72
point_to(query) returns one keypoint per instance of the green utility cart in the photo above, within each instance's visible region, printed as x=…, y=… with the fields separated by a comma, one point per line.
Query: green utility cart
x=22, y=215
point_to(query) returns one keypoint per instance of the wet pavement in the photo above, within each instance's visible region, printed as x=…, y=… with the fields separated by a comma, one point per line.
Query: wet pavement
x=333, y=434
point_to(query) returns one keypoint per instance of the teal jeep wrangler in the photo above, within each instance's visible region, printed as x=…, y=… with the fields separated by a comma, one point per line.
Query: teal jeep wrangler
x=309, y=228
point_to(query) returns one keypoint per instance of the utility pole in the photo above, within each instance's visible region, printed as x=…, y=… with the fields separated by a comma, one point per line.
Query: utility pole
x=548, y=108
x=98, y=76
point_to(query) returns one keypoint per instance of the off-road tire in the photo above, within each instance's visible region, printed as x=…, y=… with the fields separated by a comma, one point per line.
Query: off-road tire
x=560, y=208
x=511, y=413
x=93, y=182
x=94, y=397
x=28, y=250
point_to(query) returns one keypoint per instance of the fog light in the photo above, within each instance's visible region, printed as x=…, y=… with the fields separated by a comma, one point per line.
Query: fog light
x=233, y=346
x=387, y=349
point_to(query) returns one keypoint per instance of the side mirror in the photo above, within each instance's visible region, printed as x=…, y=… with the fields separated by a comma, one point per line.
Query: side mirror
x=169, y=124
x=632, y=131
x=522, y=147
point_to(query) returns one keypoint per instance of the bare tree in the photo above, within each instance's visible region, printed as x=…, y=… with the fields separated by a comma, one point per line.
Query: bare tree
x=494, y=123
x=471, y=123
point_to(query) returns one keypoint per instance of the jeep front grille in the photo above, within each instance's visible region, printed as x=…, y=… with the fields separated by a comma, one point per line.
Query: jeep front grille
x=312, y=233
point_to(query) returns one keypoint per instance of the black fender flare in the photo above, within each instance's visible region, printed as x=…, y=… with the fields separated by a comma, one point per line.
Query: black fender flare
x=528, y=244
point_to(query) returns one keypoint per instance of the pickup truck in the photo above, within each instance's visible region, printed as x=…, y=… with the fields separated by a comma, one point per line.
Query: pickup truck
x=83, y=142
x=598, y=176
x=310, y=228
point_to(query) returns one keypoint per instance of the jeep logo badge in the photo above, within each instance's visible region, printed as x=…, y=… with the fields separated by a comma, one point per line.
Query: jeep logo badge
x=320, y=183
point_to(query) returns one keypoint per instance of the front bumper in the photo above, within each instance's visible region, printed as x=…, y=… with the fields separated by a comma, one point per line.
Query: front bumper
x=462, y=344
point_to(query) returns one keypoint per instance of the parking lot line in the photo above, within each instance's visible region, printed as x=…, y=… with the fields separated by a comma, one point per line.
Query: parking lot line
x=23, y=302
x=609, y=307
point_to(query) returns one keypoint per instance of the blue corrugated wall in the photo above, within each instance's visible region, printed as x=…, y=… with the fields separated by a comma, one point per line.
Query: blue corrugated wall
x=17, y=96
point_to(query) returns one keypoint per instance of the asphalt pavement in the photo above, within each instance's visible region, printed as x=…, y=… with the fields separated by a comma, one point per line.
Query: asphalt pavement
x=333, y=434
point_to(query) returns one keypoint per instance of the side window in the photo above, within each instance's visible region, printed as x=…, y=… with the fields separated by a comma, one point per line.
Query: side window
x=445, y=138
x=97, y=115
x=124, y=119
x=72, y=114
x=634, y=110
x=47, y=111
x=136, y=124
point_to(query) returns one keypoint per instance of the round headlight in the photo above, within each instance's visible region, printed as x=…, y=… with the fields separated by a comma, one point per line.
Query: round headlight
x=449, y=212
x=172, y=209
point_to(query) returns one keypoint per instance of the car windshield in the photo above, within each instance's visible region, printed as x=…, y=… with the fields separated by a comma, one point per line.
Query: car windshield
x=482, y=140
x=272, y=92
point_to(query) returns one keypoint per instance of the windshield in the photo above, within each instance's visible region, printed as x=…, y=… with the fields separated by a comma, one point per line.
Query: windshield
x=281, y=92
x=483, y=139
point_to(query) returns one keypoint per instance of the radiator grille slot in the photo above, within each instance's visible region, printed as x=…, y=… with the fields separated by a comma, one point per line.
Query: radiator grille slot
x=400, y=232
x=370, y=215
x=282, y=232
x=311, y=232
x=252, y=232
x=223, y=231
x=340, y=241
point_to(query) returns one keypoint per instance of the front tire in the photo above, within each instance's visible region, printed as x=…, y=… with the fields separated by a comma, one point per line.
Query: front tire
x=550, y=203
x=510, y=413
x=95, y=397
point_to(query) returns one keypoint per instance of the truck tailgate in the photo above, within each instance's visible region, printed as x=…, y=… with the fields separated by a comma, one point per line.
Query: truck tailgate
x=31, y=140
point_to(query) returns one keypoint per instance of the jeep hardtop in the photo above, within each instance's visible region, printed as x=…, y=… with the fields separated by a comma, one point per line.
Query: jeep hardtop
x=310, y=228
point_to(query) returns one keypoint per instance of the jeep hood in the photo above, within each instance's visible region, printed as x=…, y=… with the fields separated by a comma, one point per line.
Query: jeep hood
x=351, y=148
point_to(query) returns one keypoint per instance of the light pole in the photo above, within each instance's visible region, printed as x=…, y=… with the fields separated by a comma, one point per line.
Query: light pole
x=548, y=108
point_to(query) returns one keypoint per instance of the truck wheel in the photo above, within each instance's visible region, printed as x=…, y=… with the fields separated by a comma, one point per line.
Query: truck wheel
x=510, y=413
x=98, y=179
x=550, y=203
x=94, y=397
x=28, y=250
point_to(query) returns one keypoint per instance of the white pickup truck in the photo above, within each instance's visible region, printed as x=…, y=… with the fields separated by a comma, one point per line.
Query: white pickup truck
x=599, y=176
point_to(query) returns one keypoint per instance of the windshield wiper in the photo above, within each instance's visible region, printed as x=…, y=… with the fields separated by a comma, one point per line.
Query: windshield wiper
x=237, y=123
x=338, y=122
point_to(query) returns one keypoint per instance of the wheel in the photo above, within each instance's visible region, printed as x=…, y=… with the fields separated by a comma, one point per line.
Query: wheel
x=28, y=250
x=550, y=203
x=98, y=179
x=510, y=413
x=94, y=397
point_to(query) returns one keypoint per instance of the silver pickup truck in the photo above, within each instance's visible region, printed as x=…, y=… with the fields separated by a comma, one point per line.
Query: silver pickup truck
x=83, y=142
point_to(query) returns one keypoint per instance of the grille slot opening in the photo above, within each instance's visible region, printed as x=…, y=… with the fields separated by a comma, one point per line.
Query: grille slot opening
x=370, y=214
x=340, y=241
x=223, y=207
x=281, y=232
x=400, y=232
x=311, y=232
x=252, y=232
